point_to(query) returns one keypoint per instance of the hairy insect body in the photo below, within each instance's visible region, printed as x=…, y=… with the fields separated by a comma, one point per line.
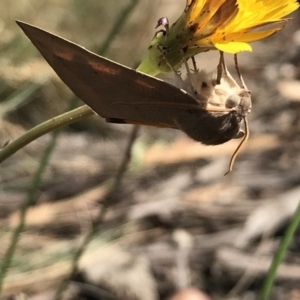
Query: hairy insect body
x=223, y=107
x=218, y=128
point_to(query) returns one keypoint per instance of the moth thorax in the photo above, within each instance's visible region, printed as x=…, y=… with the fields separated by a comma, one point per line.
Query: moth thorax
x=225, y=94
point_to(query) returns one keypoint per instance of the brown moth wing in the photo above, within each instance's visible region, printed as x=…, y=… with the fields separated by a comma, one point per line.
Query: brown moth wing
x=122, y=95
x=112, y=90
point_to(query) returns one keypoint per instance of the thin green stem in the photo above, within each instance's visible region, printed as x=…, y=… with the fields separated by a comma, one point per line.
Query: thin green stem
x=279, y=255
x=46, y=127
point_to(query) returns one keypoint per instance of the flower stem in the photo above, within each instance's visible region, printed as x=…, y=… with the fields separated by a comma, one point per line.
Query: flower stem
x=62, y=120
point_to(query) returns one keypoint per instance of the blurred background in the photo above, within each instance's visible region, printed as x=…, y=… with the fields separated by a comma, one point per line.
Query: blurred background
x=176, y=221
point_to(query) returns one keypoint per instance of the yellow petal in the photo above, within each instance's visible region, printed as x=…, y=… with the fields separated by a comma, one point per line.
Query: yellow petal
x=256, y=36
x=233, y=47
x=220, y=14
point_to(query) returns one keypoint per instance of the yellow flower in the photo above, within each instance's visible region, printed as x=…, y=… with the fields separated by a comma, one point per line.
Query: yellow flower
x=226, y=25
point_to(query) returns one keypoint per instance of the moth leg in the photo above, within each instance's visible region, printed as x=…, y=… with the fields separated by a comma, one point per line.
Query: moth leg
x=180, y=83
x=227, y=76
x=236, y=64
x=190, y=87
x=177, y=74
x=188, y=71
x=220, y=67
x=224, y=66
x=196, y=70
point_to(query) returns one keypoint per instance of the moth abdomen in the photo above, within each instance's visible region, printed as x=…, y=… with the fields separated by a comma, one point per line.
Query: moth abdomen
x=211, y=128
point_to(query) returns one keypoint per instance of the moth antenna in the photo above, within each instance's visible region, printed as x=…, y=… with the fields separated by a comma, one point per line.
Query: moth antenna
x=237, y=150
x=220, y=67
x=236, y=64
x=180, y=82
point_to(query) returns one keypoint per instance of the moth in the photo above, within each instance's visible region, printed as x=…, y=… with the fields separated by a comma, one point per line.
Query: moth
x=207, y=112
